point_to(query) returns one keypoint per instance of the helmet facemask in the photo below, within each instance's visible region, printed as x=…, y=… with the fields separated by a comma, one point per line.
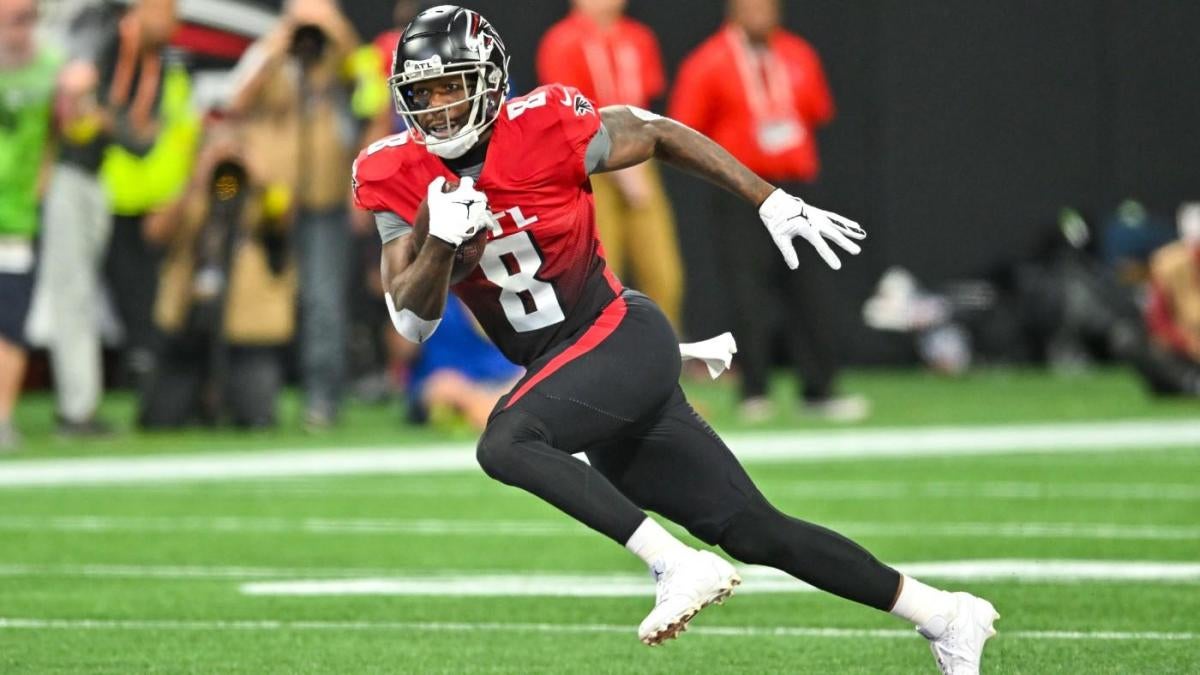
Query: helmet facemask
x=442, y=131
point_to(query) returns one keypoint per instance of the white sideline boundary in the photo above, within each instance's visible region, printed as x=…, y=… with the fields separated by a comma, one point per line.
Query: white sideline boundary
x=564, y=527
x=15, y=623
x=794, y=446
x=757, y=580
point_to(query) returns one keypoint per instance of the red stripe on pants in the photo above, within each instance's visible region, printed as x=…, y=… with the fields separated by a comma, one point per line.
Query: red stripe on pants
x=604, y=326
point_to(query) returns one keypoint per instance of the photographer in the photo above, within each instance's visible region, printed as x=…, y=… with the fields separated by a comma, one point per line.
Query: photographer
x=226, y=299
x=297, y=89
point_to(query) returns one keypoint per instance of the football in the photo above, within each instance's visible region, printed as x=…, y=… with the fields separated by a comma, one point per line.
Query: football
x=466, y=258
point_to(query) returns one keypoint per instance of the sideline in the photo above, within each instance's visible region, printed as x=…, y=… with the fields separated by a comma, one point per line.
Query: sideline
x=774, y=447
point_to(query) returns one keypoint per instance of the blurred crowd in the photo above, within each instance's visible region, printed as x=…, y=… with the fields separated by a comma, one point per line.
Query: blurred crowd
x=1123, y=288
x=205, y=233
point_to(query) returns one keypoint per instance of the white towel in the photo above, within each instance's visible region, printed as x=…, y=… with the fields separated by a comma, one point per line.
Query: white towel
x=716, y=353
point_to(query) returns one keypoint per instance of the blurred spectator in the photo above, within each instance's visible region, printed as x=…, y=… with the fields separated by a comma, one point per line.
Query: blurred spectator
x=226, y=298
x=1128, y=237
x=128, y=138
x=1053, y=307
x=27, y=73
x=376, y=350
x=760, y=92
x=615, y=60
x=1064, y=306
x=150, y=95
x=308, y=84
x=1173, y=313
x=457, y=373
x=387, y=121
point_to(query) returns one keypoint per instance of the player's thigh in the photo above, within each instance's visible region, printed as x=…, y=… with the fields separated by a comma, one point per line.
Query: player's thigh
x=680, y=469
x=602, y=387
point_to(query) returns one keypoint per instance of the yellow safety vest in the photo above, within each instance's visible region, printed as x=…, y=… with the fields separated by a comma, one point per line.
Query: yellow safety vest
x=140, y=184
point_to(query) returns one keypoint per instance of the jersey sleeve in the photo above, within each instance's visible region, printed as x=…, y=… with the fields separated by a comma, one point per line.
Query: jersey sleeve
x=379, y=185
x=391, y=226
x=597, y=150
x=564, y=121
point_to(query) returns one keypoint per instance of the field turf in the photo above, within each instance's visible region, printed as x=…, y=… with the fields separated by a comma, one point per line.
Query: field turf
x=451, y=573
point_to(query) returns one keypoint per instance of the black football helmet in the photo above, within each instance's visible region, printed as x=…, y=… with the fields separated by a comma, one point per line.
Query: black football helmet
x=442, y=41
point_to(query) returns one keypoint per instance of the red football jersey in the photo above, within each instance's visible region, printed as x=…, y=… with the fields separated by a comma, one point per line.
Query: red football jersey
x=542, y=276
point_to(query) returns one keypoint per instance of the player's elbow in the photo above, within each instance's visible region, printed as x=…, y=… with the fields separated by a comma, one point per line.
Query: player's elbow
x=410, y=326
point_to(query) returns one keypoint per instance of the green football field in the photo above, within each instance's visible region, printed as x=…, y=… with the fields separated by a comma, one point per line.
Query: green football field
x=1072, y=503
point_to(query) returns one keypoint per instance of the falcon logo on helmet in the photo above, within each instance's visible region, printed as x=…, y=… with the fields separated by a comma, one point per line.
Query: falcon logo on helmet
x=448, y=41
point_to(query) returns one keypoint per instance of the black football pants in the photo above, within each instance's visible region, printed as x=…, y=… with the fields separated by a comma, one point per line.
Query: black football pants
x=612, y=393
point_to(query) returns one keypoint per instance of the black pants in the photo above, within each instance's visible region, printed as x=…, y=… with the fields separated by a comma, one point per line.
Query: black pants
x=131, y=269
x=612, y=392
x=183, y=389
x=768, y=297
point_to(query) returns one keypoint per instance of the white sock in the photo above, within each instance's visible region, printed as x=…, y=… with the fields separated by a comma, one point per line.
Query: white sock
x=919, y=603
x=651, y=542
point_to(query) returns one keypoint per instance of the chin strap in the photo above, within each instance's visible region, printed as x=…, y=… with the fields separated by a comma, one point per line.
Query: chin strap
x=716, y=353
x=455, y=147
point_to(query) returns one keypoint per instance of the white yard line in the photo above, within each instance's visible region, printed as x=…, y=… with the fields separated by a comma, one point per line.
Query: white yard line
x=14, y=623
x=825, y=490
x=757, y=579
x=564, y=527
x=849, y=490
x=1021, y=570
x=789, y=446
x=259, y=525
x=190, y=572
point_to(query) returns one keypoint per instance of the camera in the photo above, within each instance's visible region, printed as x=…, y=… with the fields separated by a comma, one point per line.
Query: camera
x=308, y=44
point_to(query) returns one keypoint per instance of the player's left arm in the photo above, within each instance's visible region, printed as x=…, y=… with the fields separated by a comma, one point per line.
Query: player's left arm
x=636, y=135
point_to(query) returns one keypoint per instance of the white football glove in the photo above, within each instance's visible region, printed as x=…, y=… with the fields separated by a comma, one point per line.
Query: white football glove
x=787, y=217
x=456, y=216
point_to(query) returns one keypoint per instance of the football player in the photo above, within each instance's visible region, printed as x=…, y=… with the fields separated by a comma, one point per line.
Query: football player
x=602, y=362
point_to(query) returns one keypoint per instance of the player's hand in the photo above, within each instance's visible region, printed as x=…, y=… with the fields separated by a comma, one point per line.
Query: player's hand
x=787, y=217
x=456, y=216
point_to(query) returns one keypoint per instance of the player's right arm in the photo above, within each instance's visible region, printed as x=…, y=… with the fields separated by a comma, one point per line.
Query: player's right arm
x=416, y=281
x=415, y=284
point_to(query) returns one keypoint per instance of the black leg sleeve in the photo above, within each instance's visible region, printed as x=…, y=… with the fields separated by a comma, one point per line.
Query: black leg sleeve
x=681, y=469
x=516, y=451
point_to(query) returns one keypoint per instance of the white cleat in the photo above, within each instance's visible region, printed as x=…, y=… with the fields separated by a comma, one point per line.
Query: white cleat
x=686, y=585
x=957, y=642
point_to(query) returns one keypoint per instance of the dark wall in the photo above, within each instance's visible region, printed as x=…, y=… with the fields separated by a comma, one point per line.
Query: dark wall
x=963, y=126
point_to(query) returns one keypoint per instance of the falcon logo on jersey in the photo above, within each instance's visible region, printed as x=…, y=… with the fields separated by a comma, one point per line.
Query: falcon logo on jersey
x=583, y=106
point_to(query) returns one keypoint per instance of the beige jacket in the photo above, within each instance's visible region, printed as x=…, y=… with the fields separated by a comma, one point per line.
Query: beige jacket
x=1176, y=273
x=299, y=126
x=260, y=306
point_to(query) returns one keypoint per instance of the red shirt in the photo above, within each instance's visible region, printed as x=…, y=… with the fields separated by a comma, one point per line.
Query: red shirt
x=761, y=105
x=543, y=275
x=620, y=65
x=385, y=42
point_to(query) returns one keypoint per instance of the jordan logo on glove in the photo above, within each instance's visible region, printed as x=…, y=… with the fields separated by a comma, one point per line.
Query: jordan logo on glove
x=787, y=217
x=452, y=225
